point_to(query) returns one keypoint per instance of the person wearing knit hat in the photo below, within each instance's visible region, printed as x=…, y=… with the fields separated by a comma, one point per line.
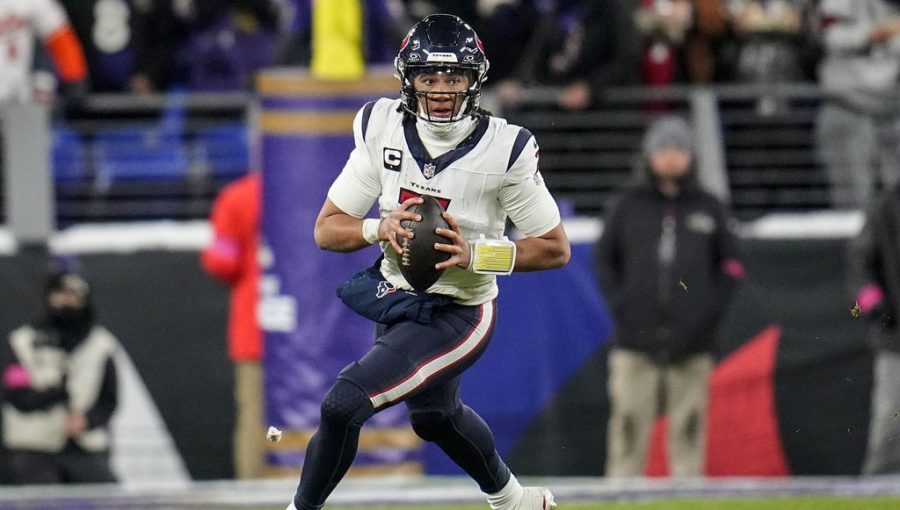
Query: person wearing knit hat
x=671, y=131
x=666, y=263
x=668, y=153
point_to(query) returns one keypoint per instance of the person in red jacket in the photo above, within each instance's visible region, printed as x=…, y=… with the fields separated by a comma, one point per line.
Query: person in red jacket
x=232, y=258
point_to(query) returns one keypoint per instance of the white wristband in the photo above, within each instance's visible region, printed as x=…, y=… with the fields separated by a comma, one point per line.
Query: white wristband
x=370, y=230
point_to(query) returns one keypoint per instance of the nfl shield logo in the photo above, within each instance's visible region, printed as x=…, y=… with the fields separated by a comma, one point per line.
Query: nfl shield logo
x=428, y=170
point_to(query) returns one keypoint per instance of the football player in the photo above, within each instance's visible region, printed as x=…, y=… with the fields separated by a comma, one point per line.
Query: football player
x=434, y=140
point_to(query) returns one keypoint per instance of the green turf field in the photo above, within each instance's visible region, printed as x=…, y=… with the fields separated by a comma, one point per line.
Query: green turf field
x=704, y=504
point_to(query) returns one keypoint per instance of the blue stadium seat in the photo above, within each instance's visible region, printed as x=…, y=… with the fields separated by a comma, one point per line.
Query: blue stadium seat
x=137, y=153
x=68, y=155
x=223, y=149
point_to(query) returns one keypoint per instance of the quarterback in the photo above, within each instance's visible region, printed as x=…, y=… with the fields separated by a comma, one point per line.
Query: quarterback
x=434, y=140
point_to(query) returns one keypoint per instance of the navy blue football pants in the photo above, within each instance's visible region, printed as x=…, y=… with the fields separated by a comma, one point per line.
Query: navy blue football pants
x=421, y=365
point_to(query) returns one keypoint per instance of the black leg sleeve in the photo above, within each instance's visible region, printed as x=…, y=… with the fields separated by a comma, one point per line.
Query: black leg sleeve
x=332, y=449
x=467, y=440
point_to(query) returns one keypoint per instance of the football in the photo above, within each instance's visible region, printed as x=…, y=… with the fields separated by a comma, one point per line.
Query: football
x=419, y=256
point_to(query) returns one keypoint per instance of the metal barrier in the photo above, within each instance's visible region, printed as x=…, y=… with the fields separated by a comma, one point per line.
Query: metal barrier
x=124, y=158
x=755, y=143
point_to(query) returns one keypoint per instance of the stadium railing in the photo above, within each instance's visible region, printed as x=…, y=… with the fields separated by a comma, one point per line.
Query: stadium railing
x=755, y=144
x=125, y=158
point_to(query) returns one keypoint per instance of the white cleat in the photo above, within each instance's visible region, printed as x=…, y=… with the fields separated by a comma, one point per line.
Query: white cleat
x=536, y=498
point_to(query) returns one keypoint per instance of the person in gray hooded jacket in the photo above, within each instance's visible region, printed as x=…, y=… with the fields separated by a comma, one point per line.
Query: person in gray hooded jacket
x=858, y=124
x=667, y=263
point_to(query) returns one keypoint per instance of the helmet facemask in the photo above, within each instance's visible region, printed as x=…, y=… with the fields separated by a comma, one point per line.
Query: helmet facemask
x=445, y=105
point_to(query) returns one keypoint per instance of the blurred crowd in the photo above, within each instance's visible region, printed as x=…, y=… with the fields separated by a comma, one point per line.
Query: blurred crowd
x=580, y=45
x=567, y=52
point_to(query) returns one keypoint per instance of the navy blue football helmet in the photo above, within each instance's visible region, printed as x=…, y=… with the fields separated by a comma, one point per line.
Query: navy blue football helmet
x=441, y=43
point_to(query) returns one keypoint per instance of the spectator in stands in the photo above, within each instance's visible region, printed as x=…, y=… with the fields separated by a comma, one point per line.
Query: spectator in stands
x=232, y=258
x=772, y=43
x=680, y=42
x=385, y=22
x=131, y=46
x=23, y=21
x=160, y=35
x=505, y=26
x=664, y=26
x=702, y=54
x=875, y=273
x=229, y=42
x=579, y=46
x=294, y=46
x=860, y=119
x=667, y=264
x=60, y=390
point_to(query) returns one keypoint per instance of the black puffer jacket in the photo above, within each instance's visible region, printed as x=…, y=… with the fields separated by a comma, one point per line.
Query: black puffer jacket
x=669, y=310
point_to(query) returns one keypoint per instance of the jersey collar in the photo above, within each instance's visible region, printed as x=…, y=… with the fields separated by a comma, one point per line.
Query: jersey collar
x=432, y=166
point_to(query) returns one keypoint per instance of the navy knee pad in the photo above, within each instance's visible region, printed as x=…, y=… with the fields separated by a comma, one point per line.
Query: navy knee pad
x=346, y=404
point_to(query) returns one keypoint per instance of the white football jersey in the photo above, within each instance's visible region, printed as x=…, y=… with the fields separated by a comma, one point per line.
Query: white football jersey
x=491, y=175
x=20, y=22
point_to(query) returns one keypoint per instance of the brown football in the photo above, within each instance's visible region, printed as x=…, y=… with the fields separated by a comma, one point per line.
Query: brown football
x=419, y=256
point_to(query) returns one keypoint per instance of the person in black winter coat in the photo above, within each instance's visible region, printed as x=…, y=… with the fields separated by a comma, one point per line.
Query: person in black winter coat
x=581, y=46
x=875, y=274
x=59, y=390
x=667, y=263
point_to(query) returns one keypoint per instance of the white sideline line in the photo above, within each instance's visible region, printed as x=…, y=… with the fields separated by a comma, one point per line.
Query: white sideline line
x=438, y=490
